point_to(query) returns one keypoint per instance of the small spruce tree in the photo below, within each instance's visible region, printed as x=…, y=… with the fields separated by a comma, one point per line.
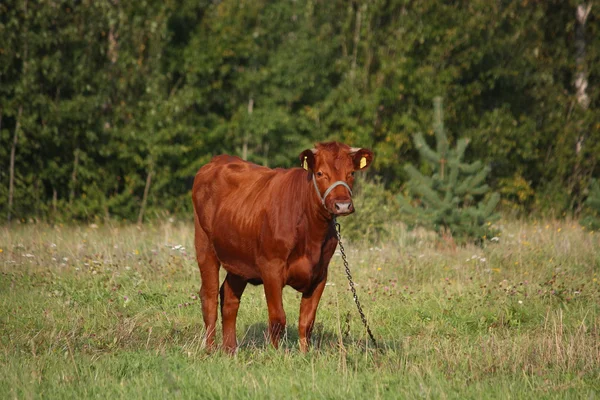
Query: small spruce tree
x=450, y=200
x=591, y=218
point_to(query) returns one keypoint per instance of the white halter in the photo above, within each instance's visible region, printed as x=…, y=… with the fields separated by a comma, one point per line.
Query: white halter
x=329, y=189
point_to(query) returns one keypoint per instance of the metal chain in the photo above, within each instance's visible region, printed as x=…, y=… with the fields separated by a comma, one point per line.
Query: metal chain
x=351, y=282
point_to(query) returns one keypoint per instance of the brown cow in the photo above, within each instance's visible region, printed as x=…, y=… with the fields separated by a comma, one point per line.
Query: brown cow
x=272, y=227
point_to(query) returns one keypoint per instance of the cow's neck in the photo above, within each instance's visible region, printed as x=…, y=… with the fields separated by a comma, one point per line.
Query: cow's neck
x=319, y=218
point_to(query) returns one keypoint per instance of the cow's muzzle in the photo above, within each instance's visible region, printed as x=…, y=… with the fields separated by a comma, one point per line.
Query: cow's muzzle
x=342, y=207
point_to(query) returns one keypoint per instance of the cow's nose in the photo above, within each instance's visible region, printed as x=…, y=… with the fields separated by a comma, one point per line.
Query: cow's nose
x=344, y=207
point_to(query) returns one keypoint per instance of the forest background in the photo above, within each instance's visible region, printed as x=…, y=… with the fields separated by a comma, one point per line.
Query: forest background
x=108, y=108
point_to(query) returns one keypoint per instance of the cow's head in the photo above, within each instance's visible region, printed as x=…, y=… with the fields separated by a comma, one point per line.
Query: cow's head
x=331, y=166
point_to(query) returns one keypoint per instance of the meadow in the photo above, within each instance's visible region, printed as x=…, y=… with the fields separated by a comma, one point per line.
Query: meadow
x=112, y=311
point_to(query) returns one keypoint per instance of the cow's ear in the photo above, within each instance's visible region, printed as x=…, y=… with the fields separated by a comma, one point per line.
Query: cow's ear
x=361, y=158
x=307, y=159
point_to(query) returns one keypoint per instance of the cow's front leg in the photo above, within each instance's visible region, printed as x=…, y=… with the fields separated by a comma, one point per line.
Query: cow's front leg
x=273, y=293
x=308, y=311
x=231, y=293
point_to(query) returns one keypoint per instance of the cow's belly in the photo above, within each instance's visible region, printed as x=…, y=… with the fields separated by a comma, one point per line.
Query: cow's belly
x=245, y=271
x=235, y=261
x=238, y=266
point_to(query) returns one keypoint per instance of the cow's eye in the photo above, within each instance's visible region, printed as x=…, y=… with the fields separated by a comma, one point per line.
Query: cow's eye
x=352, y=173
x=319, y=174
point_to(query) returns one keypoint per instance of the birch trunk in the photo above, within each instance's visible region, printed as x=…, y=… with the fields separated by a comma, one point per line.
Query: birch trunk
x=54, y=201
x=581, y=83
x=357, y=24
x=245, y=144
x=581, y=80
x=13, y=148
x=145, y=198
x=74, y=176
x=11, y=169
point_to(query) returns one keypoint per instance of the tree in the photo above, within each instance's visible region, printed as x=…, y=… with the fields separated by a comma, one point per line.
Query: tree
x=110, y=107
x=449, y=200
x=21, y=91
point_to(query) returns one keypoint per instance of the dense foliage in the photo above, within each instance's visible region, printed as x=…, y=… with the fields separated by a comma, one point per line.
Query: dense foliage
x=109, y=107
x=591, y=215
x=375, y=207
x=449, y=200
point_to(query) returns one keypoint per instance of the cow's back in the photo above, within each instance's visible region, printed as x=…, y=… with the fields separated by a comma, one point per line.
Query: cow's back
x=226, y=183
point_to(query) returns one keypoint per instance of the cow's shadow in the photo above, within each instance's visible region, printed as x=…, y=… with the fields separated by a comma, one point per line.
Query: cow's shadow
x=255, y=336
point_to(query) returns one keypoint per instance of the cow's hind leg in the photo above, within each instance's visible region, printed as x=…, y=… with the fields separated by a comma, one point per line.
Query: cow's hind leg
x=231, y=293
x=209, y=290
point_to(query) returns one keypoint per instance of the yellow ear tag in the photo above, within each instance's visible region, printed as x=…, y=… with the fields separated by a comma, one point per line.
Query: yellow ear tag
x=363, y=162
x=305, y=164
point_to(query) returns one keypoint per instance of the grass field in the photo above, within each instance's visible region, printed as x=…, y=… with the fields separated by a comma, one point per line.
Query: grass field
x=113, y=312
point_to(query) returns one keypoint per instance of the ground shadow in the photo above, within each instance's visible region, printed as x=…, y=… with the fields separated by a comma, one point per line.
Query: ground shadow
x=255, y=336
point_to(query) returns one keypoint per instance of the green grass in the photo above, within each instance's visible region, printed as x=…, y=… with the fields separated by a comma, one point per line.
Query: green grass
x=113, y=312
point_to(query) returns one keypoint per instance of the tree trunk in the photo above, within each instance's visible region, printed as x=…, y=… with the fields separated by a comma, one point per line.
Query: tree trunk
x=74, y=176
x=245, y=144
x=357, y=24
x=368, y=61
x=581, y=82
x=113, y=46
x=581, y=79
x=37, y=198
x=11, y=169
x=146, y=191
x=54, y=201
x=266, y=147
x=13, y=149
